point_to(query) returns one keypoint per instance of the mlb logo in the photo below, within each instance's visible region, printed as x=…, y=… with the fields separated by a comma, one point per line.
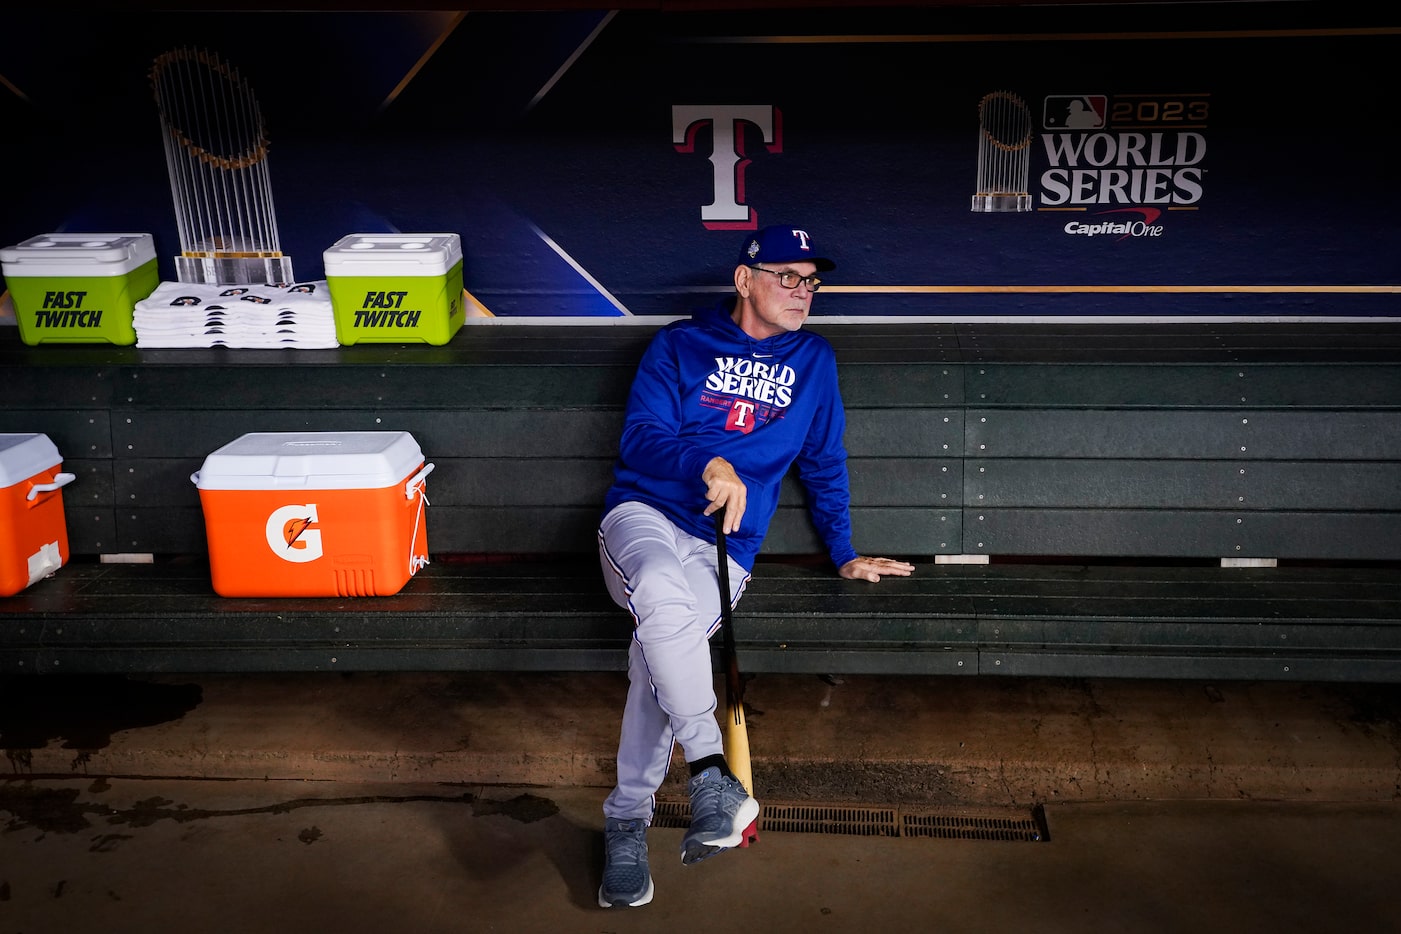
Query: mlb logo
x=1074, y=111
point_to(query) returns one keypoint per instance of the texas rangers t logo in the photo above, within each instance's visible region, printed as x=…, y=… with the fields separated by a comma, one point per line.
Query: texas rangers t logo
x=741, y=416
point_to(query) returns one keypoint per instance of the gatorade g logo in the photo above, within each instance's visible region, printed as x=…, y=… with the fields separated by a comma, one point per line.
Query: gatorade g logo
x=292, y=533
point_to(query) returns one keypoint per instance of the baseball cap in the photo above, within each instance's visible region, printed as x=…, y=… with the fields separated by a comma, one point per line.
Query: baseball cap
x=782, y=243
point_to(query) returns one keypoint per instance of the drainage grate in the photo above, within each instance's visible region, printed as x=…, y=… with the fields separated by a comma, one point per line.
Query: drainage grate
x=946, y=823
x=973, y=826
x=854, y=821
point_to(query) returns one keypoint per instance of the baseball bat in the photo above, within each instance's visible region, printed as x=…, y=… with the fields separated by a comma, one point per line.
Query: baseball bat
x=734, y=730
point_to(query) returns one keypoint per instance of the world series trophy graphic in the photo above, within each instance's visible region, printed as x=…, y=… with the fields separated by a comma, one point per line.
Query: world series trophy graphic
x=216, y=151
x=1004, y=154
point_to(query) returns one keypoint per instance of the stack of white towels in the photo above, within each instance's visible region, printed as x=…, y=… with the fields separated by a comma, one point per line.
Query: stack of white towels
x=185, y=314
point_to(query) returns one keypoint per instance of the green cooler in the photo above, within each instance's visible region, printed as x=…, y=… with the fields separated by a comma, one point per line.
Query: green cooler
x=396, y=288
x=79, y=288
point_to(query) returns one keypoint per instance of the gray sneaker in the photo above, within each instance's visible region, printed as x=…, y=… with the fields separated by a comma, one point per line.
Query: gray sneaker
x=626, y=881
x=720, y=811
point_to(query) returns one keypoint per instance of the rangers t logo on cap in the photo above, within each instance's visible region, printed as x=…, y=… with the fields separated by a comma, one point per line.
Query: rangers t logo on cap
x=783, y=243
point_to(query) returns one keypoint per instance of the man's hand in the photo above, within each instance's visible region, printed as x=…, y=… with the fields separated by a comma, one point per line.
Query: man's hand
x=862, y=568
x=724, y=488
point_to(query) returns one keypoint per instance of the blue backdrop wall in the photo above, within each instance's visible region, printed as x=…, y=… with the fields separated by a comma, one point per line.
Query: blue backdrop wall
x=1225, y=159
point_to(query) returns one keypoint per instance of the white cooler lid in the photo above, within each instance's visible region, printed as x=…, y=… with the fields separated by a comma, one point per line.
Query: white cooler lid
x=313, y=460
x=24, y=455
x=78, y=254
x=386, y=254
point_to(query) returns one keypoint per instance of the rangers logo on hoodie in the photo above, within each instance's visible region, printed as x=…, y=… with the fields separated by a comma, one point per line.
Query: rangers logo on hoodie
x=754, y=391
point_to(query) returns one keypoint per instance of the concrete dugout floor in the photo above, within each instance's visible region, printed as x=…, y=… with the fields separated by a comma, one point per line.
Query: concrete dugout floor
x=470, y=802
x=876, y=740
x=249, y=856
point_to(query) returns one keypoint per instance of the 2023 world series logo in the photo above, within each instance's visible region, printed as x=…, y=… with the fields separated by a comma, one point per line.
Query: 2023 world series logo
x=1128, y=149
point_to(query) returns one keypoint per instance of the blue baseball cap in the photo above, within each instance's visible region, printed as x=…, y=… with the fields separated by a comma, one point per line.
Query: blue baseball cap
x=782, y=243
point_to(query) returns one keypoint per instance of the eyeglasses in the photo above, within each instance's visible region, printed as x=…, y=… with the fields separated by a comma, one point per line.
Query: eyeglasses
x=790, y=280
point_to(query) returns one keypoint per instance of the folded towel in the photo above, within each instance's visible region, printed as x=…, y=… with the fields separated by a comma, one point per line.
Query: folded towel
x=186, y=314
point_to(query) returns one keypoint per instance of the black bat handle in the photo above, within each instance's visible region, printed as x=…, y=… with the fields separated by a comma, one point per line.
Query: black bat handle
x=733, y=686
x=722, y=566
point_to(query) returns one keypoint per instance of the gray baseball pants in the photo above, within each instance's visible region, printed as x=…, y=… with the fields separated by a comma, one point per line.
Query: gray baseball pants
x=667, y=580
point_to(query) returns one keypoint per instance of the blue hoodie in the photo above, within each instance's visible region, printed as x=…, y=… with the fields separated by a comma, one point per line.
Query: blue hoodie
x=705, y=388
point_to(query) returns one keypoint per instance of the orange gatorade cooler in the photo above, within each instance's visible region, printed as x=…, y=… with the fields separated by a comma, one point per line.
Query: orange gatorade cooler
x=315, y=514
x=33, y=535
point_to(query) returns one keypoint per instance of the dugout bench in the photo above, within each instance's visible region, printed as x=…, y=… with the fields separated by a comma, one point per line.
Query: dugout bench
x=1203, y=500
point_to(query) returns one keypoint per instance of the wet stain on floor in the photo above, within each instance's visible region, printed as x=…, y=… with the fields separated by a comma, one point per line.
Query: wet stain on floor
x=58, y=810
x=84, y=710
x=52, y=810
x=526, y=809
x=107, y=842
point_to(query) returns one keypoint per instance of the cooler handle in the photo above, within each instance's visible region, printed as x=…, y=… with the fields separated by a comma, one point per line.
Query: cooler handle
x=60, y=480
x=415, y=480
x=417, y=562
